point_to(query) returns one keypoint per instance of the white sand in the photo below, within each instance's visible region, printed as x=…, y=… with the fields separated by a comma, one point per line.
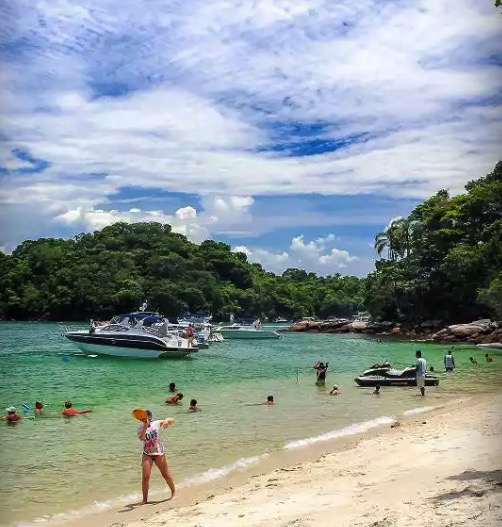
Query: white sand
x=445, y=472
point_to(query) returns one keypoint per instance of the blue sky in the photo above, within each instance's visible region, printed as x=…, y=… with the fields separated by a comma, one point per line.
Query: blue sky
x=292, y=129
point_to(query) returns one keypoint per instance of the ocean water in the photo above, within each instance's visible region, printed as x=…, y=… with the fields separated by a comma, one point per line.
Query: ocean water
x=52, y=467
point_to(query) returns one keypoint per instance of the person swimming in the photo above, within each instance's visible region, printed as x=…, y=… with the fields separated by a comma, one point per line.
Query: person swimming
x=376, y=391
x=269, y=401
x=193, y=406
x=69, y=411
x=335, y=390
x=488, y=358
x=12, y=415
x=174, y=399
x=172, y=387
x=39, y=405
x=473, y=360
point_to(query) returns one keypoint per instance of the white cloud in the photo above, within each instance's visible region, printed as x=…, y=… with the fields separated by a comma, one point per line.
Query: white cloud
x=314, y=255
x=213, y=83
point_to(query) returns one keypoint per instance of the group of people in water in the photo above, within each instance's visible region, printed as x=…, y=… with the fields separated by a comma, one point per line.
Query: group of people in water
x=13, y=416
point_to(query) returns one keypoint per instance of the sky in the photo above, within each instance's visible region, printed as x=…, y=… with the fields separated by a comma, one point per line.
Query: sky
x=294, y=130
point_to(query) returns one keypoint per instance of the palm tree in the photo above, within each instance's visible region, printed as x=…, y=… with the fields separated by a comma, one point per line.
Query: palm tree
x=397, y=238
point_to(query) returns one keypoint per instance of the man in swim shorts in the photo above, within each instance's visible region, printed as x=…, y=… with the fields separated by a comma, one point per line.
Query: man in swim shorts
x=153, y=453
x=420, y=371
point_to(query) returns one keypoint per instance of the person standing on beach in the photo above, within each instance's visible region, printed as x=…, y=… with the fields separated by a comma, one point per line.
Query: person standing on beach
x=321, y=370
x=420, y=371
x=153, y=453
x=449, y=362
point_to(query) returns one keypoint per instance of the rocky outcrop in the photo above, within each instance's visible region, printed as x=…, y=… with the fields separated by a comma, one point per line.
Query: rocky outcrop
x=469, y=332
x=479, y=331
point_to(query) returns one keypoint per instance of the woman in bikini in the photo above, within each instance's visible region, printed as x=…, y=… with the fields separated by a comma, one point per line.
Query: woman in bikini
x=153, y=453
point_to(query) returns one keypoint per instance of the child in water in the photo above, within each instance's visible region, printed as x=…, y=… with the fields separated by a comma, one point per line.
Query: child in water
x=335, y=390
x=69, y=411
x=193, y=406
x=376, y=391
x=175, y=399
x=269, y=401
x=172, y=387
x=473, y=361
x=488, y=358
x=38, y=407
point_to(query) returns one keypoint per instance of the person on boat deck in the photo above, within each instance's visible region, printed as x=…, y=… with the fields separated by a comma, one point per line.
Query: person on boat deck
x=269, y=401
x=190, y=333
x=449, y=362
x=193, y=406
x=153, y=453
x=488, y=358
x=335, y=390
x=174, y=399
x=39, y=405
x=321, y=370
x=12, y=415
x=376, y=391
x=421, y=368
x=172, y=387
x=69, y=411
x=473, y=361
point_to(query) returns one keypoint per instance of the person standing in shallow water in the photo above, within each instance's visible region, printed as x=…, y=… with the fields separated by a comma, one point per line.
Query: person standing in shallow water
x=420, y=372
x=321, y=370
x=449, y=362
x=153, y=453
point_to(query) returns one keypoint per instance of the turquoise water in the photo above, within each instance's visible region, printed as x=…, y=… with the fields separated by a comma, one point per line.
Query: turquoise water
x=52, y=465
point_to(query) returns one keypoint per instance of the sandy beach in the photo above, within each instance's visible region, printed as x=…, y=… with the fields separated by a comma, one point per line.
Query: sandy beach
x=441, y=468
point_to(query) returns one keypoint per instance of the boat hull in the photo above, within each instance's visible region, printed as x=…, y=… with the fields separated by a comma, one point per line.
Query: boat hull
x=248, y=335
x=372, y=381
x=493, y=345
x=134, y=348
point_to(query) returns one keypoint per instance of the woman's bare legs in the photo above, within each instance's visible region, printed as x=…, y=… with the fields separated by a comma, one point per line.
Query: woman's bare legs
x=161, y=463
x=146, y=470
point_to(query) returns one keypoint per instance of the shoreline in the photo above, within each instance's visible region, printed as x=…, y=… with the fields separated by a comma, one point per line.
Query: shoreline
x=241, y=496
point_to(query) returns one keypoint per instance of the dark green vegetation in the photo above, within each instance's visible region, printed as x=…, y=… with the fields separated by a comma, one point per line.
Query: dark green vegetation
x=114, y=270
x=444, y=261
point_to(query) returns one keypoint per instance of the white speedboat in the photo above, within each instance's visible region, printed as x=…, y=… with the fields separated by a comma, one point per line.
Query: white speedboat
x=140, y=335
x=491, y=345
x=237, y=331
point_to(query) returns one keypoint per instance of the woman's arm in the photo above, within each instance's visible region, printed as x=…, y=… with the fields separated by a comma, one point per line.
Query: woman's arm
x=167, y=422
x=142, y=432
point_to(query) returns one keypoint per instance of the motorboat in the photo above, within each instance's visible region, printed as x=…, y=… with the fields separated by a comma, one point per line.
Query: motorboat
x=237, y=331
x=133, y=335
x=385, y=375
x=491, y=345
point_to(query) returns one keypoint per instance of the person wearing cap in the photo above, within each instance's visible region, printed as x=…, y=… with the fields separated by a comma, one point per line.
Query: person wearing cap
x=12, y=415
x=153, y=453
x=69, y=411
x=335, y=390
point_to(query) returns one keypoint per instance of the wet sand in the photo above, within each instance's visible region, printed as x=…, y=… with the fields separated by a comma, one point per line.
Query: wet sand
x=441, y=468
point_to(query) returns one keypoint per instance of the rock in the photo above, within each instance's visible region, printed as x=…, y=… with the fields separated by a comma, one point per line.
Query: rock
x=358, y=326
x=430, y=324
x=395, y=331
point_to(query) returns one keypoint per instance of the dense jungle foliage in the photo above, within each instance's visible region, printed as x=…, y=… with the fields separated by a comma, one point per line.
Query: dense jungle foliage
x=444, y=261
x=114, y=270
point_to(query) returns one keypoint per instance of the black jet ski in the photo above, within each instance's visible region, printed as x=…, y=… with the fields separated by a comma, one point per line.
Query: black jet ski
x=385, y=375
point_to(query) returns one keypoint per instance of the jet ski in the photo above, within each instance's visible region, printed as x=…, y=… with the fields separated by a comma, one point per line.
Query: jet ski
x=385, y=375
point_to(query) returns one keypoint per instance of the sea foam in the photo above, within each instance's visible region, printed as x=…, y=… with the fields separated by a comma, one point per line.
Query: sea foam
x=357, y=428
x=419, y=410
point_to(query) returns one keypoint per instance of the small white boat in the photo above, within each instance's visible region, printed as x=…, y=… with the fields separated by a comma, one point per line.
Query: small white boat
x=491, y=345
x=237, y=331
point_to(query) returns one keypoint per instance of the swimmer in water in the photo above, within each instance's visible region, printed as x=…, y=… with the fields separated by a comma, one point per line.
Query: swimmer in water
x=335, y=390
x=488, y=358
x=12, y=415
x=193, y=406
x=39, y=405
x=269, y=401
x=69, y=411
x=175, y=399
x=473, y=361
x=376, y=391
x=172, y=387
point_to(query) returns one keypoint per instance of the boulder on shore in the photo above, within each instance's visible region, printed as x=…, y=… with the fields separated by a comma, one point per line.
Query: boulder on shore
x=470, y=331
